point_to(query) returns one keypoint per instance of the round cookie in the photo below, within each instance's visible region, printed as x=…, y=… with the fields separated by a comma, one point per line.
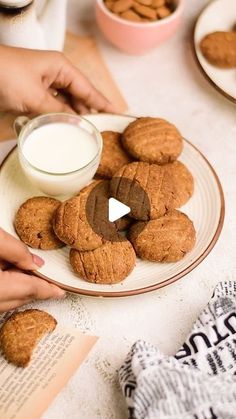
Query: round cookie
x=145, y=188
x=123, y=223
x=33, y=223
x=182, y=182
x=21, y=332
x=153, y=140
x=166, y=239
x=219, y=48
x=113, y=155
x=71, y=224
x=109, y=264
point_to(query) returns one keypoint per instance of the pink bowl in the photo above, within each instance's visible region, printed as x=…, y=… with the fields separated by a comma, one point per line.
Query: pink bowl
x=133, y=37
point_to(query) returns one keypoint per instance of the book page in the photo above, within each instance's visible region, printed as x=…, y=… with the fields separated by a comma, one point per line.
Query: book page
x=27, y=392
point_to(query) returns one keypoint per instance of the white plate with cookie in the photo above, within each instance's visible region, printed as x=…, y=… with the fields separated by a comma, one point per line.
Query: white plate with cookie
x=218, y=15
x=205, y=209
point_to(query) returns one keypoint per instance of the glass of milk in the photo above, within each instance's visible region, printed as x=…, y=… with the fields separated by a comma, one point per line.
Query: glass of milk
x=59, y=153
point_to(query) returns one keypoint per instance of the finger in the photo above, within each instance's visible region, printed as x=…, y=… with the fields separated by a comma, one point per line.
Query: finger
x=4, y=265
x=81, y=108
x=14, y=251
x=15, y=285
x=49, y=104
x=10, y=305
x=75, y=83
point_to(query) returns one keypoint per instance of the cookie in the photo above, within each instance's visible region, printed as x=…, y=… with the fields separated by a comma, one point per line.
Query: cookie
x=123, y=223
x=33, y=223
x=219, y=48
x=166, y=239
x=22, y=331
x=71, y=224
x=109, y=264
x=113, y=155
x=153, y=140
x=146, y=188
x=182, y=183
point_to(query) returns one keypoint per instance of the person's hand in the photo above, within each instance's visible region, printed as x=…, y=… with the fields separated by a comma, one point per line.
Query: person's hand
x=18, y=288
x=30, y=81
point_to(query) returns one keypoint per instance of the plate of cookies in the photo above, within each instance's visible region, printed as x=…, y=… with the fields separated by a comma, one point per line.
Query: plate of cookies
x=176, y=212
x=215, y=45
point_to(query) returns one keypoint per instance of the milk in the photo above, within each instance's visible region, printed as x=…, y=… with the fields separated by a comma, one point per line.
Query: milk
x=60, y=158
x=59, y=148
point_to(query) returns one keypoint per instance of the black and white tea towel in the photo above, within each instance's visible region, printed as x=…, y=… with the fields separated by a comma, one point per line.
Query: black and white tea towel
x=199, y=382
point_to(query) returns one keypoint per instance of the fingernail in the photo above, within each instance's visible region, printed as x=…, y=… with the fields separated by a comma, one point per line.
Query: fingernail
x=38, y=261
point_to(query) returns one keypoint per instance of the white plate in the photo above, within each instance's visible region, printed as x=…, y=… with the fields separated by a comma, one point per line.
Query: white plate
x=206, y=209
x=219, y=15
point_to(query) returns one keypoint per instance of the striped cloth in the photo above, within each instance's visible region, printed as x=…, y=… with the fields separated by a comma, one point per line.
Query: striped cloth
x=199, y=382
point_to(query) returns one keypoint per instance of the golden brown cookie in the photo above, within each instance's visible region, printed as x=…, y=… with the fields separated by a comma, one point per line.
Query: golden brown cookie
x=20, y=334
x=71, y=224
x=109, y=264
x=182, y=182
x=123, y=223
x=113, y=155
x=166, y=239
x=153, y=140
x=33, y=223
x=146, y=188
x=219, y=48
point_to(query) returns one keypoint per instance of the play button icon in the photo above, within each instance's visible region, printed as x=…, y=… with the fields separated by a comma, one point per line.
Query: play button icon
x=117, y=210
x=103, y=209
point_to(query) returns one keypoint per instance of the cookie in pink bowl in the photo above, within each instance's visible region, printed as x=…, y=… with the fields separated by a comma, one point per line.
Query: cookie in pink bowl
x=137, y=37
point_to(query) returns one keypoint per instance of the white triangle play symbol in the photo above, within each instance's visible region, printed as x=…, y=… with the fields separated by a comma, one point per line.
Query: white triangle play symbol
x=116, y=209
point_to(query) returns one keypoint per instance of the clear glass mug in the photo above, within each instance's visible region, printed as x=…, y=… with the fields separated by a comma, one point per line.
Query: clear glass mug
x=60, y=184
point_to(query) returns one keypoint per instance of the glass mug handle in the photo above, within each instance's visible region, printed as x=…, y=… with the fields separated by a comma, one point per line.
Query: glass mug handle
x=19, y=123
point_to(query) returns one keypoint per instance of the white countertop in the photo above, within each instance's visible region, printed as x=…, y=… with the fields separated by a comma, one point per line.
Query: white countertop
x=166, y=83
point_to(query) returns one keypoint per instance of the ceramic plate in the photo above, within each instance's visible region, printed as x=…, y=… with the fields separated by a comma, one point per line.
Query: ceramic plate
x=219, y=15
x=206, y=209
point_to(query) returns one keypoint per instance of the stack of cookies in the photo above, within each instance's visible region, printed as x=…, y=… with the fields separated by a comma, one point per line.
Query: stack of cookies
x=141, y=10
x=139, y=168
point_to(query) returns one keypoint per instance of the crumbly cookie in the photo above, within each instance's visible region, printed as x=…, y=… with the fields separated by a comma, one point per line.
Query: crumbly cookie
x=153, y=140
x=33, y=223
x=145, y=188
x=123, y=223
x=71, y=224
x=20, y=334
x=109, y=264
x=182, y=182
x=166, y=239
x=113, y=155
x=219, y=48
